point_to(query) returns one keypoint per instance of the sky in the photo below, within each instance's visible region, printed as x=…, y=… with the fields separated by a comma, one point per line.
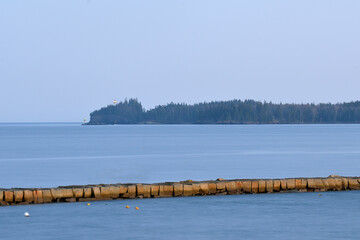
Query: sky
x=60, y=60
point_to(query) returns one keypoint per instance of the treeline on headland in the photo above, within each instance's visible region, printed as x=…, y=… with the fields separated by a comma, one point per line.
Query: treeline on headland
x=227, y=112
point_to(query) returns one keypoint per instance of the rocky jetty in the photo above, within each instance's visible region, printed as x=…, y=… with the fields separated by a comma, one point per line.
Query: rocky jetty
x=19, y=196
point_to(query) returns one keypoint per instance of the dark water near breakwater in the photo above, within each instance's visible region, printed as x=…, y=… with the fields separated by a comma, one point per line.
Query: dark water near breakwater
x=49, y=155
x=46, y=155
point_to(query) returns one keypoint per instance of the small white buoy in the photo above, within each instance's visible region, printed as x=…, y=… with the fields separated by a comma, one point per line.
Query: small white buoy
x=26, y=214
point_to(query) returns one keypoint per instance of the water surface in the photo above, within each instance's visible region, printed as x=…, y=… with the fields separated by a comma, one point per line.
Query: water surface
x=334, y=215
x=48, y=155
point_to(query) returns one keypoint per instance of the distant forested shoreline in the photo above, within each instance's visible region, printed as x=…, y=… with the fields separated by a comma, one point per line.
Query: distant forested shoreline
x=227, y=112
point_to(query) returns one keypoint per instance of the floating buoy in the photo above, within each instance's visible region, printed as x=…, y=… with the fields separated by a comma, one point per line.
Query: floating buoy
x=127, y=207
x=26, y=214
x=88, y=204
x=136, y=208
x=320, y=194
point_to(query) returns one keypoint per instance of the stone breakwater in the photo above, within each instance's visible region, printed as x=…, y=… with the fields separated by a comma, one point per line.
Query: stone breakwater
x=19, y=196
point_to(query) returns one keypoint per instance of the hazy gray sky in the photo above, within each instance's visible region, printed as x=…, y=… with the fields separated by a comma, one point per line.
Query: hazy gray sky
x=60, y=60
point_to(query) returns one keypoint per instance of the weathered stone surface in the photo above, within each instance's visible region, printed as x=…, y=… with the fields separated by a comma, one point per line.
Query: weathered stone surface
x=338, y=184
x=345, y=182
x=154, y=189
x=9, y=196
x=304, y=182
x=97, y=192
x=325, y=183
x=354, y=184
x=277, y=185
x=246, y=186
x=220, y=187
x=196, y=189
x=131, y=192
x=70, y=199
x=230, y=187
x=283, y=184
x=105, y=192
x=3, y=203
x=262, y=186
x=166, y=191
x=21, y=203
x=114, y=191
x=254, y=187
x=28, y=196
x=123, y=189
x=239, y=186
x=19, y=196
x=187, y=181
x=53, y=194
x=212, y=188
x=319, y=184
x=332, y=184
x=38, y=196
x=290, y=184
x=47, y=198
x=300, y=183
x=78, y=192
x=178, y=190
x=87, y=192
x=204, y=188
x=59, y=193
x=65, y=193
x=188, y=190
x=87, y=199
x=139, y=190
x=1, y=196
x=311, y=183
x=147, y=191
x=269, y=186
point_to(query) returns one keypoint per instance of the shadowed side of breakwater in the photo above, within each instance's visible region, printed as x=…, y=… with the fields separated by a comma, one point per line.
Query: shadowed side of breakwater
x=17, y=196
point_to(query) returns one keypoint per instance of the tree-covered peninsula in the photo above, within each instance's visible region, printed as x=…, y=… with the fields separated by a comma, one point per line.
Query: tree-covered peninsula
x=227, y=112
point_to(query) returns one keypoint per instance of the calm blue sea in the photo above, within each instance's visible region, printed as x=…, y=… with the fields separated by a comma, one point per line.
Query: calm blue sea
x=48, y=155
